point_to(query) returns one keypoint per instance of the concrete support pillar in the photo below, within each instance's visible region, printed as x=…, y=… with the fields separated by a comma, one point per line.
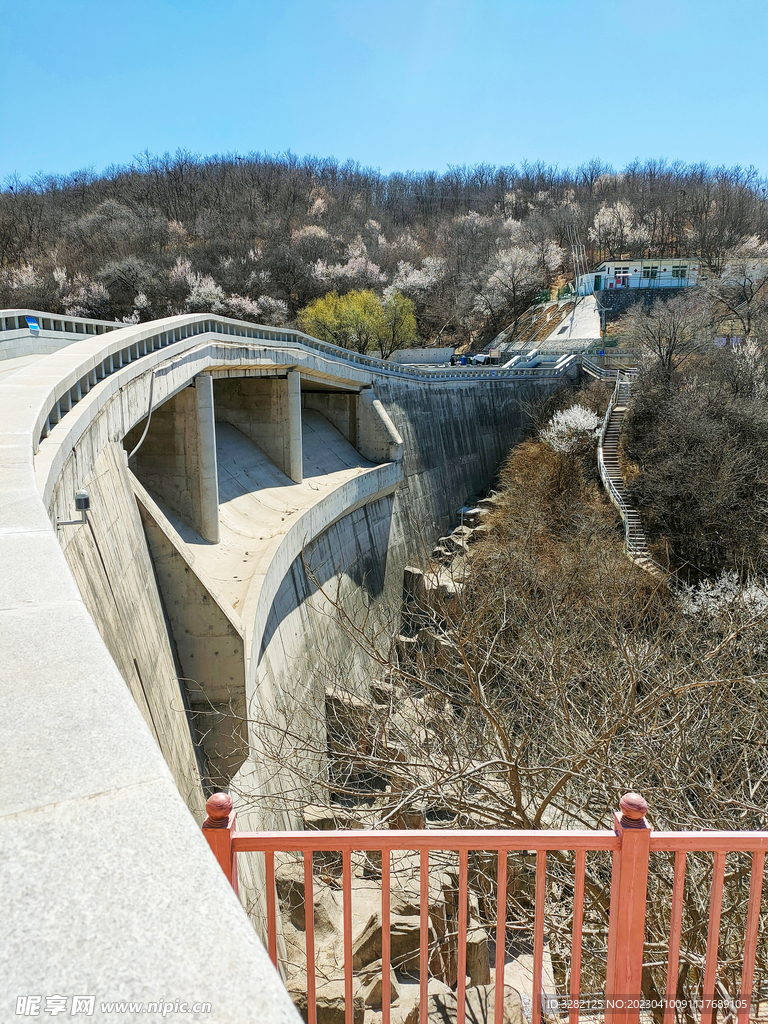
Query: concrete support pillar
x=295, y=458
x=206, y=459
x=176, y=462
x=352, y=420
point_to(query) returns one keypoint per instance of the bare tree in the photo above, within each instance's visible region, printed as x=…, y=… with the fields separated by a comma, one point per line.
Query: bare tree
x=532, y=687
x=671, y=330
x=739, y=294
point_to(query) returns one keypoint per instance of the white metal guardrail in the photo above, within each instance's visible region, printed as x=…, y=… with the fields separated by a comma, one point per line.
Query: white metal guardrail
x=16, y=320
x=135, y=341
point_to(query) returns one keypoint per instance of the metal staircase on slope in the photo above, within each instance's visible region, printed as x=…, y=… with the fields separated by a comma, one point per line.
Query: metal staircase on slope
x=608, y=461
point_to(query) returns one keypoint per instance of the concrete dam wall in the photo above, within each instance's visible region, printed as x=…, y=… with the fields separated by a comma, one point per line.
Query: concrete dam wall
x=269, y=464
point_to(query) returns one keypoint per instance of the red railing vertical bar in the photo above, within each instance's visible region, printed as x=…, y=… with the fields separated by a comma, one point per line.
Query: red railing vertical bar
x=579, y=873
x=386, y=988
x=309, y=932
x=461, y=988
x=750, y=936
x=626, y=927
x=501, y=936
x=613, y=905
x=675, y=929
x=708, y=1010
x=218, y=828
x=423, y=935
x=269, y=863
x=538, y=933
x=348, y=973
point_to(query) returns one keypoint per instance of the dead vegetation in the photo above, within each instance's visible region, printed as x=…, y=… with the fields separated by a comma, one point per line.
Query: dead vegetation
x=528, y=686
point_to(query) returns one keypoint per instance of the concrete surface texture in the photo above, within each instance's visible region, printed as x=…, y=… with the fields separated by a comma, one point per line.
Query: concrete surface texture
x=117, y=892
x=583, y=324
x=258, y=500
x=13, y=363
x=110, y=563
x=177, y=458
x=114, y=893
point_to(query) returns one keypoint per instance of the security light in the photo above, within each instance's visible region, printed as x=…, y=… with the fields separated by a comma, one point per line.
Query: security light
x=82, y=505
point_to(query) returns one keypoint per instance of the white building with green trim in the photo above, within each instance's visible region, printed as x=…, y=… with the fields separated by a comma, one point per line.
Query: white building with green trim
x=677, y=272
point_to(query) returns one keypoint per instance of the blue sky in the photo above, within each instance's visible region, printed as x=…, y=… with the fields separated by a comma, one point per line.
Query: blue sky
x=394, y=84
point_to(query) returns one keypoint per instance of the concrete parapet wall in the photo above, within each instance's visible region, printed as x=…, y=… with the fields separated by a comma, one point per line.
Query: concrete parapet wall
x=109, y=560
x=115, y=892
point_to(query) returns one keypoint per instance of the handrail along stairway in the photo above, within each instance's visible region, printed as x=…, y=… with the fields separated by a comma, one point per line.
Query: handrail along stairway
x=635, y=542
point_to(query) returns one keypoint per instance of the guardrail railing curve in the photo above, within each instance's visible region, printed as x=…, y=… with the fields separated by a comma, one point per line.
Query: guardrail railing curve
x=635, y=543
x=129, y=343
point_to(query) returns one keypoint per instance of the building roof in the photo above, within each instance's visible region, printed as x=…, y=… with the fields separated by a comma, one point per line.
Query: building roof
x=655, y=261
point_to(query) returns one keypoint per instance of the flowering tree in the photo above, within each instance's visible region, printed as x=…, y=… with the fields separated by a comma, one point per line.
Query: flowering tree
x=615, y=229
x=570, y=429
x=358, y=269
x=512, y=277
x=413, y=281
x=87, y=298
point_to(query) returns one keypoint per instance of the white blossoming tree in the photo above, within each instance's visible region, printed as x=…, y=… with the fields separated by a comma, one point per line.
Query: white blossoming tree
x=570, y=429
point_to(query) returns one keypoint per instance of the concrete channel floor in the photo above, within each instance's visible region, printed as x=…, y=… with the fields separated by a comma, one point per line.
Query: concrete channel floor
x=572, y=334
x=258, y=502
x=583, y=323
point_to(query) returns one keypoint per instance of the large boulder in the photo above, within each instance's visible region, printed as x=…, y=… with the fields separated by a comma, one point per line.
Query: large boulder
x=371, y=982
x=478, y=1007
x=329, y=1000
x=478, y=959
x=289, y=883
x=404, y=942
x=410, y=993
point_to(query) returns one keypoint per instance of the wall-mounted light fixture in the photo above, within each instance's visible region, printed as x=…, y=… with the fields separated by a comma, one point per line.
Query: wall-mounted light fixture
x=82, y=505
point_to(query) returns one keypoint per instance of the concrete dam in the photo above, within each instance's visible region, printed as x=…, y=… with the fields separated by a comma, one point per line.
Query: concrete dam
x=231, y=470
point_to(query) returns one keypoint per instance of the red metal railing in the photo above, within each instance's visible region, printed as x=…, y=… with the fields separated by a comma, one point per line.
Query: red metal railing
x=630, y=844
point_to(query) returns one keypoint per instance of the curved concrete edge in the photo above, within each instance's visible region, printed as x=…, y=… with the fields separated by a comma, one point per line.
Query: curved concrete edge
x=174, y=366
x=63, y=373
x=114, y=891
x=368, y=487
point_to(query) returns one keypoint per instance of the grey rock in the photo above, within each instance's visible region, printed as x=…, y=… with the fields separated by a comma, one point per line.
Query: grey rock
x=478, y=960
x=330, y=1002
x=371, y=982
x=404, y=942
x=478, y=1004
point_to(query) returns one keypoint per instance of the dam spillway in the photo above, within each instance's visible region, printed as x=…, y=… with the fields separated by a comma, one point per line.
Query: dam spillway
x=261, y=441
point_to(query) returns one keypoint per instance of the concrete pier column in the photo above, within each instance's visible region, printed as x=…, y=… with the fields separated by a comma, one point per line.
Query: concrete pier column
x=295, y=458
x=206, y=459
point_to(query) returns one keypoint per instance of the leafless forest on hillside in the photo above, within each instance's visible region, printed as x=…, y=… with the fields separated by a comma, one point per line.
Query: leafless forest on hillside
x=260, y=237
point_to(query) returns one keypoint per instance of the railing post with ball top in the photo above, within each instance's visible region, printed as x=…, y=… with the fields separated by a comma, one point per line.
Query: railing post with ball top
x=626, y=925
x=218, y=829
